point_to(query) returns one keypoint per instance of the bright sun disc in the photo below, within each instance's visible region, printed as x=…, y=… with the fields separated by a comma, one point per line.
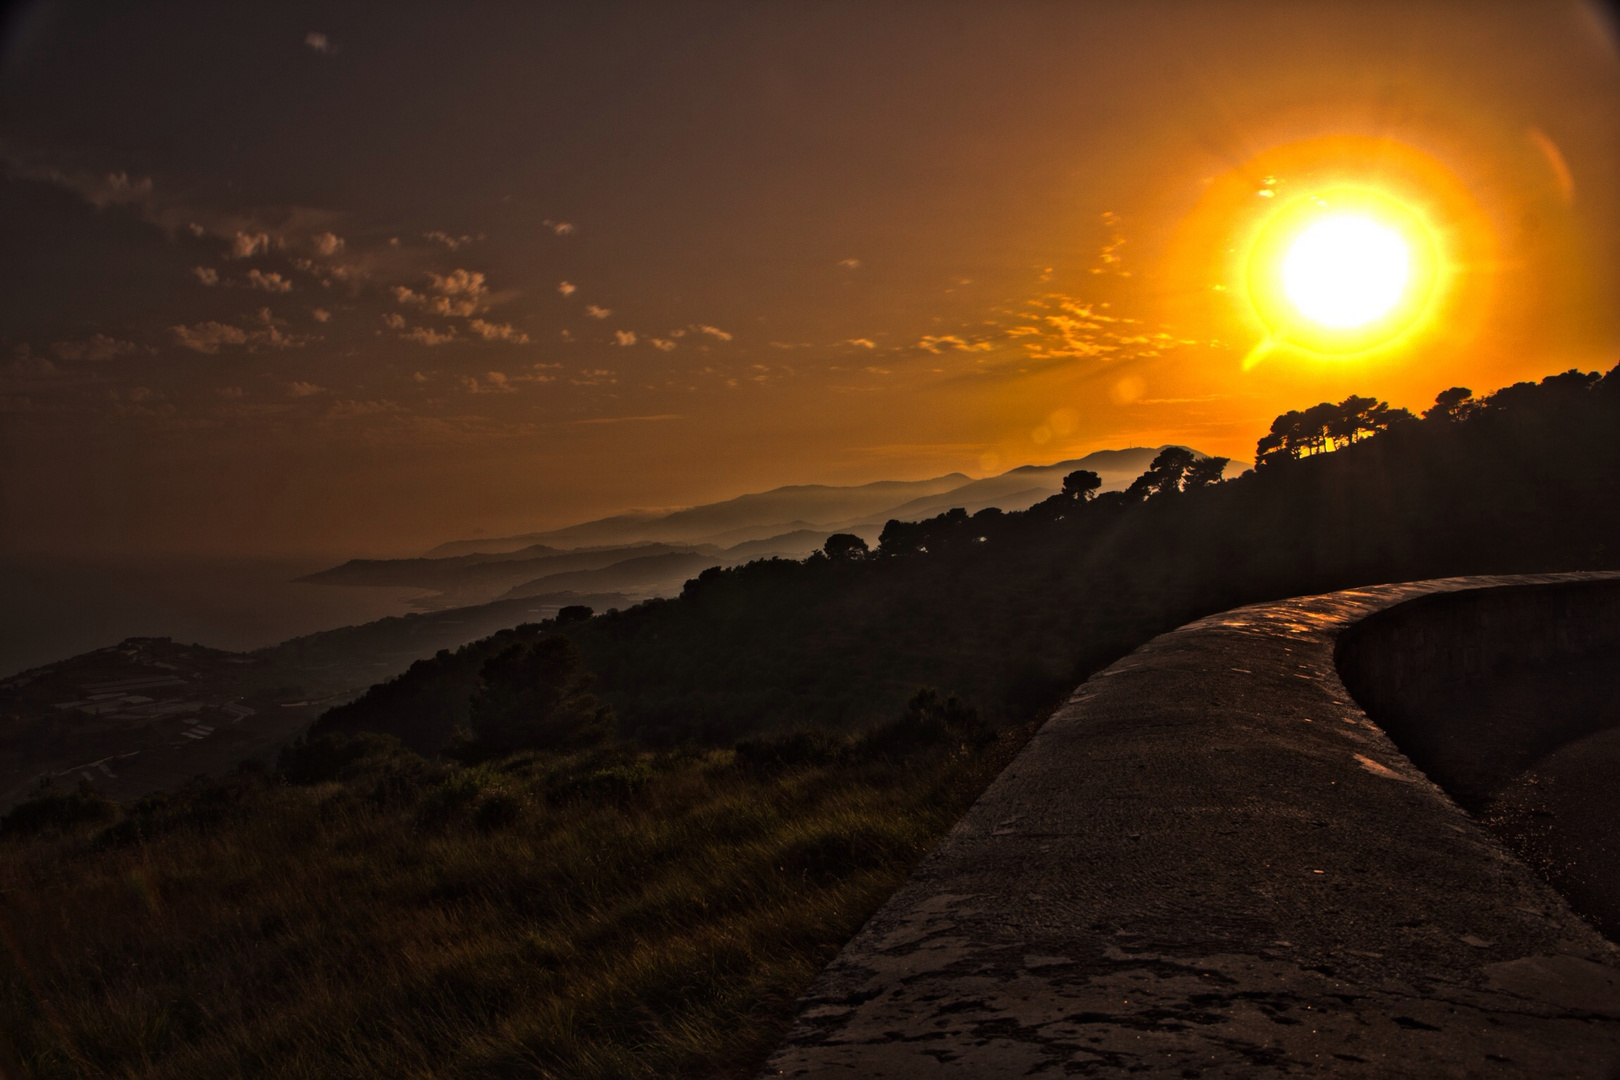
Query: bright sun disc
x=1342, y=271
x=1346, y=270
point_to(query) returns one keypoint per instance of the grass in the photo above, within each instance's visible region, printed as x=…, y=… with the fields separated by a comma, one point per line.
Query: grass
x=607, y=913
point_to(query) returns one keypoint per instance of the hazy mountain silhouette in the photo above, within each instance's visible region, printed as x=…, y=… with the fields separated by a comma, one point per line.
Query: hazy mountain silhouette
x=768, y=515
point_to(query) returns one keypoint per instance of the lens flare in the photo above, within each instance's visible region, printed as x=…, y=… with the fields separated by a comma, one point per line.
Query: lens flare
x=1346, y=270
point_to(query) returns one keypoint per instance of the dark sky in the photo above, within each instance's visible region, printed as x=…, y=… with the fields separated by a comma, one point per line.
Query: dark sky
x=362, y=277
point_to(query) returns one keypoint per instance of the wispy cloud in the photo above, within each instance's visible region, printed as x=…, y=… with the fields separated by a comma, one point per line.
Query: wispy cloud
x=271, y=282
x=628, y=419
x=459, y=294
x=714, y=332
x=95, y=347
x=426, y=335
x=454, y=243
x=247, y=245
x=498, y=332
x=305, y=389
x=318, y=42
x=210, y=337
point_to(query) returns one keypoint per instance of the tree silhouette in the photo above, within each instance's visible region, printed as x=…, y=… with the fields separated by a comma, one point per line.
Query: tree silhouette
x=1206, y=471
x=845, y=547
x=1081, y=485
x=1452, y=405
x=1326, y=427
x=1164, y=475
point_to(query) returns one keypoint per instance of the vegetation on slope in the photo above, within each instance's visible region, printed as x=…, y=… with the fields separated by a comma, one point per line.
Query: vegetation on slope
x=542, y=900
x=601, y=912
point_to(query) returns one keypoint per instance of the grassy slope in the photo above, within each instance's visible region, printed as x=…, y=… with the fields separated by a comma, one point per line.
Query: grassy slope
x=643, y=915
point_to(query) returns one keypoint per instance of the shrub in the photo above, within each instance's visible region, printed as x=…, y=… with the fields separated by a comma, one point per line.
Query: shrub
x=58, y=811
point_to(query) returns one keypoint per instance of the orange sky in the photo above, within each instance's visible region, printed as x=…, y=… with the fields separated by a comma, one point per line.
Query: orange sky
x=305, y=281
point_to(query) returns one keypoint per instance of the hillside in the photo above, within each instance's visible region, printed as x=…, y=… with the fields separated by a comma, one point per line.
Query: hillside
x=528, y=892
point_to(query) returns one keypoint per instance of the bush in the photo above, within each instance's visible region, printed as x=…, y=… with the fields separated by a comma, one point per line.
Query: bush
x=58, y=811
x=321, y=758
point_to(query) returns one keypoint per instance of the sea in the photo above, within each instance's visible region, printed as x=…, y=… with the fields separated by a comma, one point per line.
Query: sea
x=52, y=608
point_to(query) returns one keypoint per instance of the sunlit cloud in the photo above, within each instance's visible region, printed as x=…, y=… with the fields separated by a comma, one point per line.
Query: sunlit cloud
x=561, y=228
x=209, y=337
x=95, y=347
x=327, y=244
x=938, y=343
x=206, y=274
x=595, y=312
x=661, y=344
x=714, y=332
x=246, y=245
x=861, y=343
x=850, y=264
x=566, y=288
x=271, y=282
x=425, y=335
x=624, y=337
x=438, y=236
x=497, y=332
x=321, y=315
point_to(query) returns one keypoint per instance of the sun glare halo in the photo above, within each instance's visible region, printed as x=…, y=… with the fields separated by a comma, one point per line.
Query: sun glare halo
x=1346, y=270
x=1342, y=272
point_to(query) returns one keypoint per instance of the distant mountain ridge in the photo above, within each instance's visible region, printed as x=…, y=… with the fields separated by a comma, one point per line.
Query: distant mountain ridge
x=763, y=515
x=642, y=554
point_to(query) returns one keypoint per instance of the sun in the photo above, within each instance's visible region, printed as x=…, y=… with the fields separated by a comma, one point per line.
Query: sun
x=1342, y=272
x=1346, y=270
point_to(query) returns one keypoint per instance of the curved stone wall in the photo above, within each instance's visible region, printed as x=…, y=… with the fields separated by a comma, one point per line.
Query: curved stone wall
x=1509, y=699
x=1211, y=863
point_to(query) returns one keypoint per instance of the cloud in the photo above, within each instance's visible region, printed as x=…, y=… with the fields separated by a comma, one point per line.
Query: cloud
x=861, y=343
x=316, y=41
x=460, y=293
x=394, y=320
x=850, y=264
x=561, y=228
x=206, y=274
x=714, y=332
x=624, y=337
x=566, y=289
x=321, y=315
x=497, y=332
x=424, y=335
x=452, y=242
x=305, y=389
x=498, y=382
x=210, y=337
x=662, y=344
x=327, y=244
x=207, y=337
x=595, y=312
x=628, y=419
x=96, y=347
x=246, y=245
x=938, y=343
x=271, y=282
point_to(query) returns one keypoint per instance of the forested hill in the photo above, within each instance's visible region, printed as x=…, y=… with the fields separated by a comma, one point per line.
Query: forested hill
x=1011, y=610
